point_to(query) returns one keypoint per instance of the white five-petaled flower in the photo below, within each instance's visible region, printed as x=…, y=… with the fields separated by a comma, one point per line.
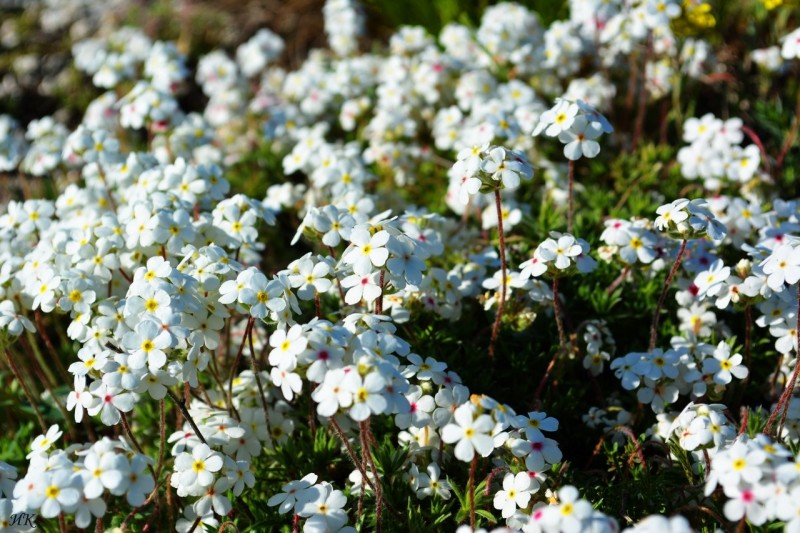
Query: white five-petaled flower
x=294, y=494
x=42, y=443
x=724, y=365
x=367, y=251
x=782, y=266
x=198, y=467
x=147, y=345
x=516, y=493
x=470, y=434
x=557, y=119
x=561, y=252
x=579, y=139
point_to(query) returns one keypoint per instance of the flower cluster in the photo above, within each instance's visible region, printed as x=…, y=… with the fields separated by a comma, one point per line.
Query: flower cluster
x=577, y=125
x=689, y=219
x=176, y=297
x=688, y=368
x=559, y=255
x=759, y=478
x=714, y=153
x=81, y=479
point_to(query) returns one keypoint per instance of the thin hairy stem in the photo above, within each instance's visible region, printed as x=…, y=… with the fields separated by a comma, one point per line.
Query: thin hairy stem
x=26, y=390
x=783, y=402
x=663, y=297
x=503, y=267
x=471, y=488
x=257, y=374
x=571, y=194
x=232, y=373
x=181, y=403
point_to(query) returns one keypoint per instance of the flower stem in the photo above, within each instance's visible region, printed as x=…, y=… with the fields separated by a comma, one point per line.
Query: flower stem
x=379, y=301
x=338, y=281
x=129, y=432
x=162, y=432
x=182, y=406
x=257, y=374
x=785, y=399
x=349, y=447
x=503, y=267
x=232, y=373
x=748, y=326
x=787, y=143
x=26, y=390
x=663, y=297
x=619, y=280
x=49, y=343
x=471, y=488
x=48, y=382
x=571, y=192
x=364, y=430
x=562, y=338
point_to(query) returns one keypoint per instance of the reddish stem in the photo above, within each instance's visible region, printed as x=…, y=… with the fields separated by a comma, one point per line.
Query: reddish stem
x=783, y=402
x=471, y=488
x=571, y=193
x=501, y=307
x=757, y=140
x=26, y=391
x=667, y=283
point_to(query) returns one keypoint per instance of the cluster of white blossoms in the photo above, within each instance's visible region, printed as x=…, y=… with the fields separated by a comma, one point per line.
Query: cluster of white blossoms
x=600, y=345
x=170, y=293
x=689, y=368
x=558, y=255
x=703, y=427
x=714, y=153
x=81, y=480
x=689, y=219
x=319, y=504
x=760, y=479
x=344, y=24
x=577, y=125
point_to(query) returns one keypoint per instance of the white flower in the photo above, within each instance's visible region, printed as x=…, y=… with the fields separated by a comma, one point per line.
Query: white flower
x=324, y=509
x=147, y=344
x=367, y=394
x=710, y=282
x=579, y=139
x=516, y=493
x=368, y=250
x=111, y=402
x=294, y=492
x=198, y=467
x=361, y=287
x=722, y=366
x=470, y=434
x=431, y=483
x=782, y=266
x=59, y=494
x=42, y=443
x=561, y=252
x=557, y=119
